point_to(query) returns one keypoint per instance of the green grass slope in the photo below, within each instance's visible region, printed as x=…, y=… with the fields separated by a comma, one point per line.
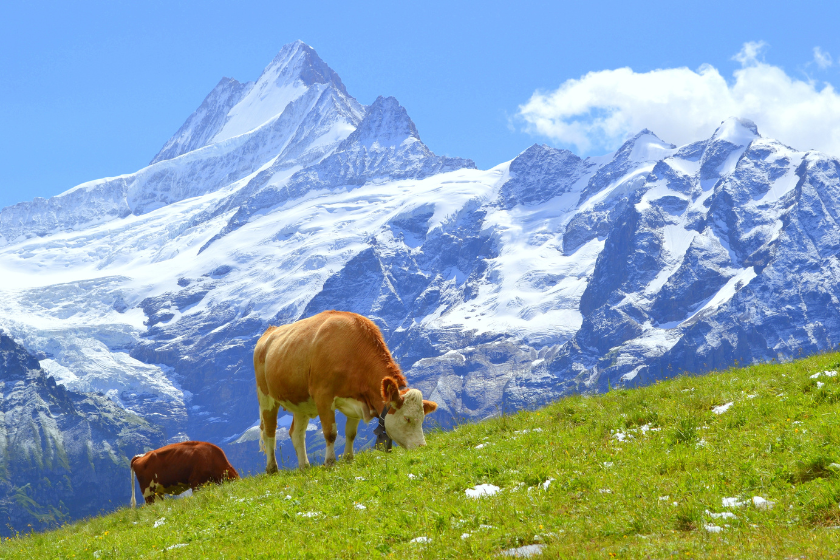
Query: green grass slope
x=630, y=474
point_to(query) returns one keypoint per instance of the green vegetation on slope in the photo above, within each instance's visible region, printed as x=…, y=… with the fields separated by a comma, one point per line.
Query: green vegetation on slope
x=630, y=474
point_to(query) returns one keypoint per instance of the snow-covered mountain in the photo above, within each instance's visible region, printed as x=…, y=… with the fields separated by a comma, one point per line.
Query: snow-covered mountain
x=495, y=289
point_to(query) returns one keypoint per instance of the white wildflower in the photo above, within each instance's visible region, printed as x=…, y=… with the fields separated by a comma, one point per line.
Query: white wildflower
x=310, y=514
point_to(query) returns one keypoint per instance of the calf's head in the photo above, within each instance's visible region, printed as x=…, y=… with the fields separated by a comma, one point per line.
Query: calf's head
x=404, y=422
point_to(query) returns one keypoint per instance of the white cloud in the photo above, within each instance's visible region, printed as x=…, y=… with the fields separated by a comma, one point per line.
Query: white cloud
x=597, y=112
x=749, y=53
x=822, y=58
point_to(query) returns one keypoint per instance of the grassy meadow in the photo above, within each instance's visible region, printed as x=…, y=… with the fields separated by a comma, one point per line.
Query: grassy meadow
x=641, y=473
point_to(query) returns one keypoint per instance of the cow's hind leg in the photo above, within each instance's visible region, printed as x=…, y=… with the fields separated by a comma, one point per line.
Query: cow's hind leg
x=350, y=430
x=327, y=415
x=268, y=429
x=297, y=433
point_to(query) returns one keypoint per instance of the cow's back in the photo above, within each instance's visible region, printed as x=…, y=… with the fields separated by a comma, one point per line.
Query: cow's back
x=331, y=353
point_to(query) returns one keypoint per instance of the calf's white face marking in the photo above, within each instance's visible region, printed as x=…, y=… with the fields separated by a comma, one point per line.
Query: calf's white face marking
x=405, y=425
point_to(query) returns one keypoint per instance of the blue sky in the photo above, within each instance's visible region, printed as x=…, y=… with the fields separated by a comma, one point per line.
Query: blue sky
x=94, y=89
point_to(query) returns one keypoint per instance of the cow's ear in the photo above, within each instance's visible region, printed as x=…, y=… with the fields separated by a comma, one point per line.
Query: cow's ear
x=429, y=407
x=391, y=392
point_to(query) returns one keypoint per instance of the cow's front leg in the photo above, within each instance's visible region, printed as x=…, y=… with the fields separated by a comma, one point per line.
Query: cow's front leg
x=350, y=430
x=327, y=415
x=297, y=433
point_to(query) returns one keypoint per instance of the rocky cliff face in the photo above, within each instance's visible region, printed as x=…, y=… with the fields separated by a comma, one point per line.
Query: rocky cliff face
x=63, y=454
x=495, y=289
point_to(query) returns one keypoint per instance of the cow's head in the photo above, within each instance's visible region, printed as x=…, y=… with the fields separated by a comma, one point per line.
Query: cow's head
x=404, y=422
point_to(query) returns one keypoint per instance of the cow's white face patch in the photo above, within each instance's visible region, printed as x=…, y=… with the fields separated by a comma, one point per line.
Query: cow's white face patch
x=405, y=425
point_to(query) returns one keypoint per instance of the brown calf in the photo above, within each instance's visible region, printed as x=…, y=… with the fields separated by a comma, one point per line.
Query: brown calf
x=177, y=467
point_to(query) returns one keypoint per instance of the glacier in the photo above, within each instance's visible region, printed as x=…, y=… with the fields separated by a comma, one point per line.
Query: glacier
x=495, y=289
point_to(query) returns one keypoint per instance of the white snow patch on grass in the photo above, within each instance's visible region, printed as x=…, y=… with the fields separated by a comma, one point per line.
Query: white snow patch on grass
x=421, y=539
x=762, y=503
x=722, y=515
x=732, y=502
x=482, y=490
x=722, y=408
x=524, y=551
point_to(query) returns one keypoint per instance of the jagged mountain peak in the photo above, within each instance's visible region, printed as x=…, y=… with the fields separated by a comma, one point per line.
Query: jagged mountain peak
x=299, y=61
x=233, y=108
x=737, y=131
x=295, y=69
x=725, y=147
x=645, y=146
x=535, y=149
x=385, y=144
x=638, y=152
x=386, y=123
x=540, y=173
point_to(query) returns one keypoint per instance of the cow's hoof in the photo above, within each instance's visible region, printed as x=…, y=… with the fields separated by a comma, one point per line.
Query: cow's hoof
x=271, y=469
x=348, y=458
x=329, y=462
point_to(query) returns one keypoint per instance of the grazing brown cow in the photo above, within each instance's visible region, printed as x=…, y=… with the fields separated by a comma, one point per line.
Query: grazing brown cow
x=174, y=468
x=334, y=360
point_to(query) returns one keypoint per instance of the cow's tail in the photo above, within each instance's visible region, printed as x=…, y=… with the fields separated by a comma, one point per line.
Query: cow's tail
x=133, y=501
x=131, y=465
x=262, y=434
